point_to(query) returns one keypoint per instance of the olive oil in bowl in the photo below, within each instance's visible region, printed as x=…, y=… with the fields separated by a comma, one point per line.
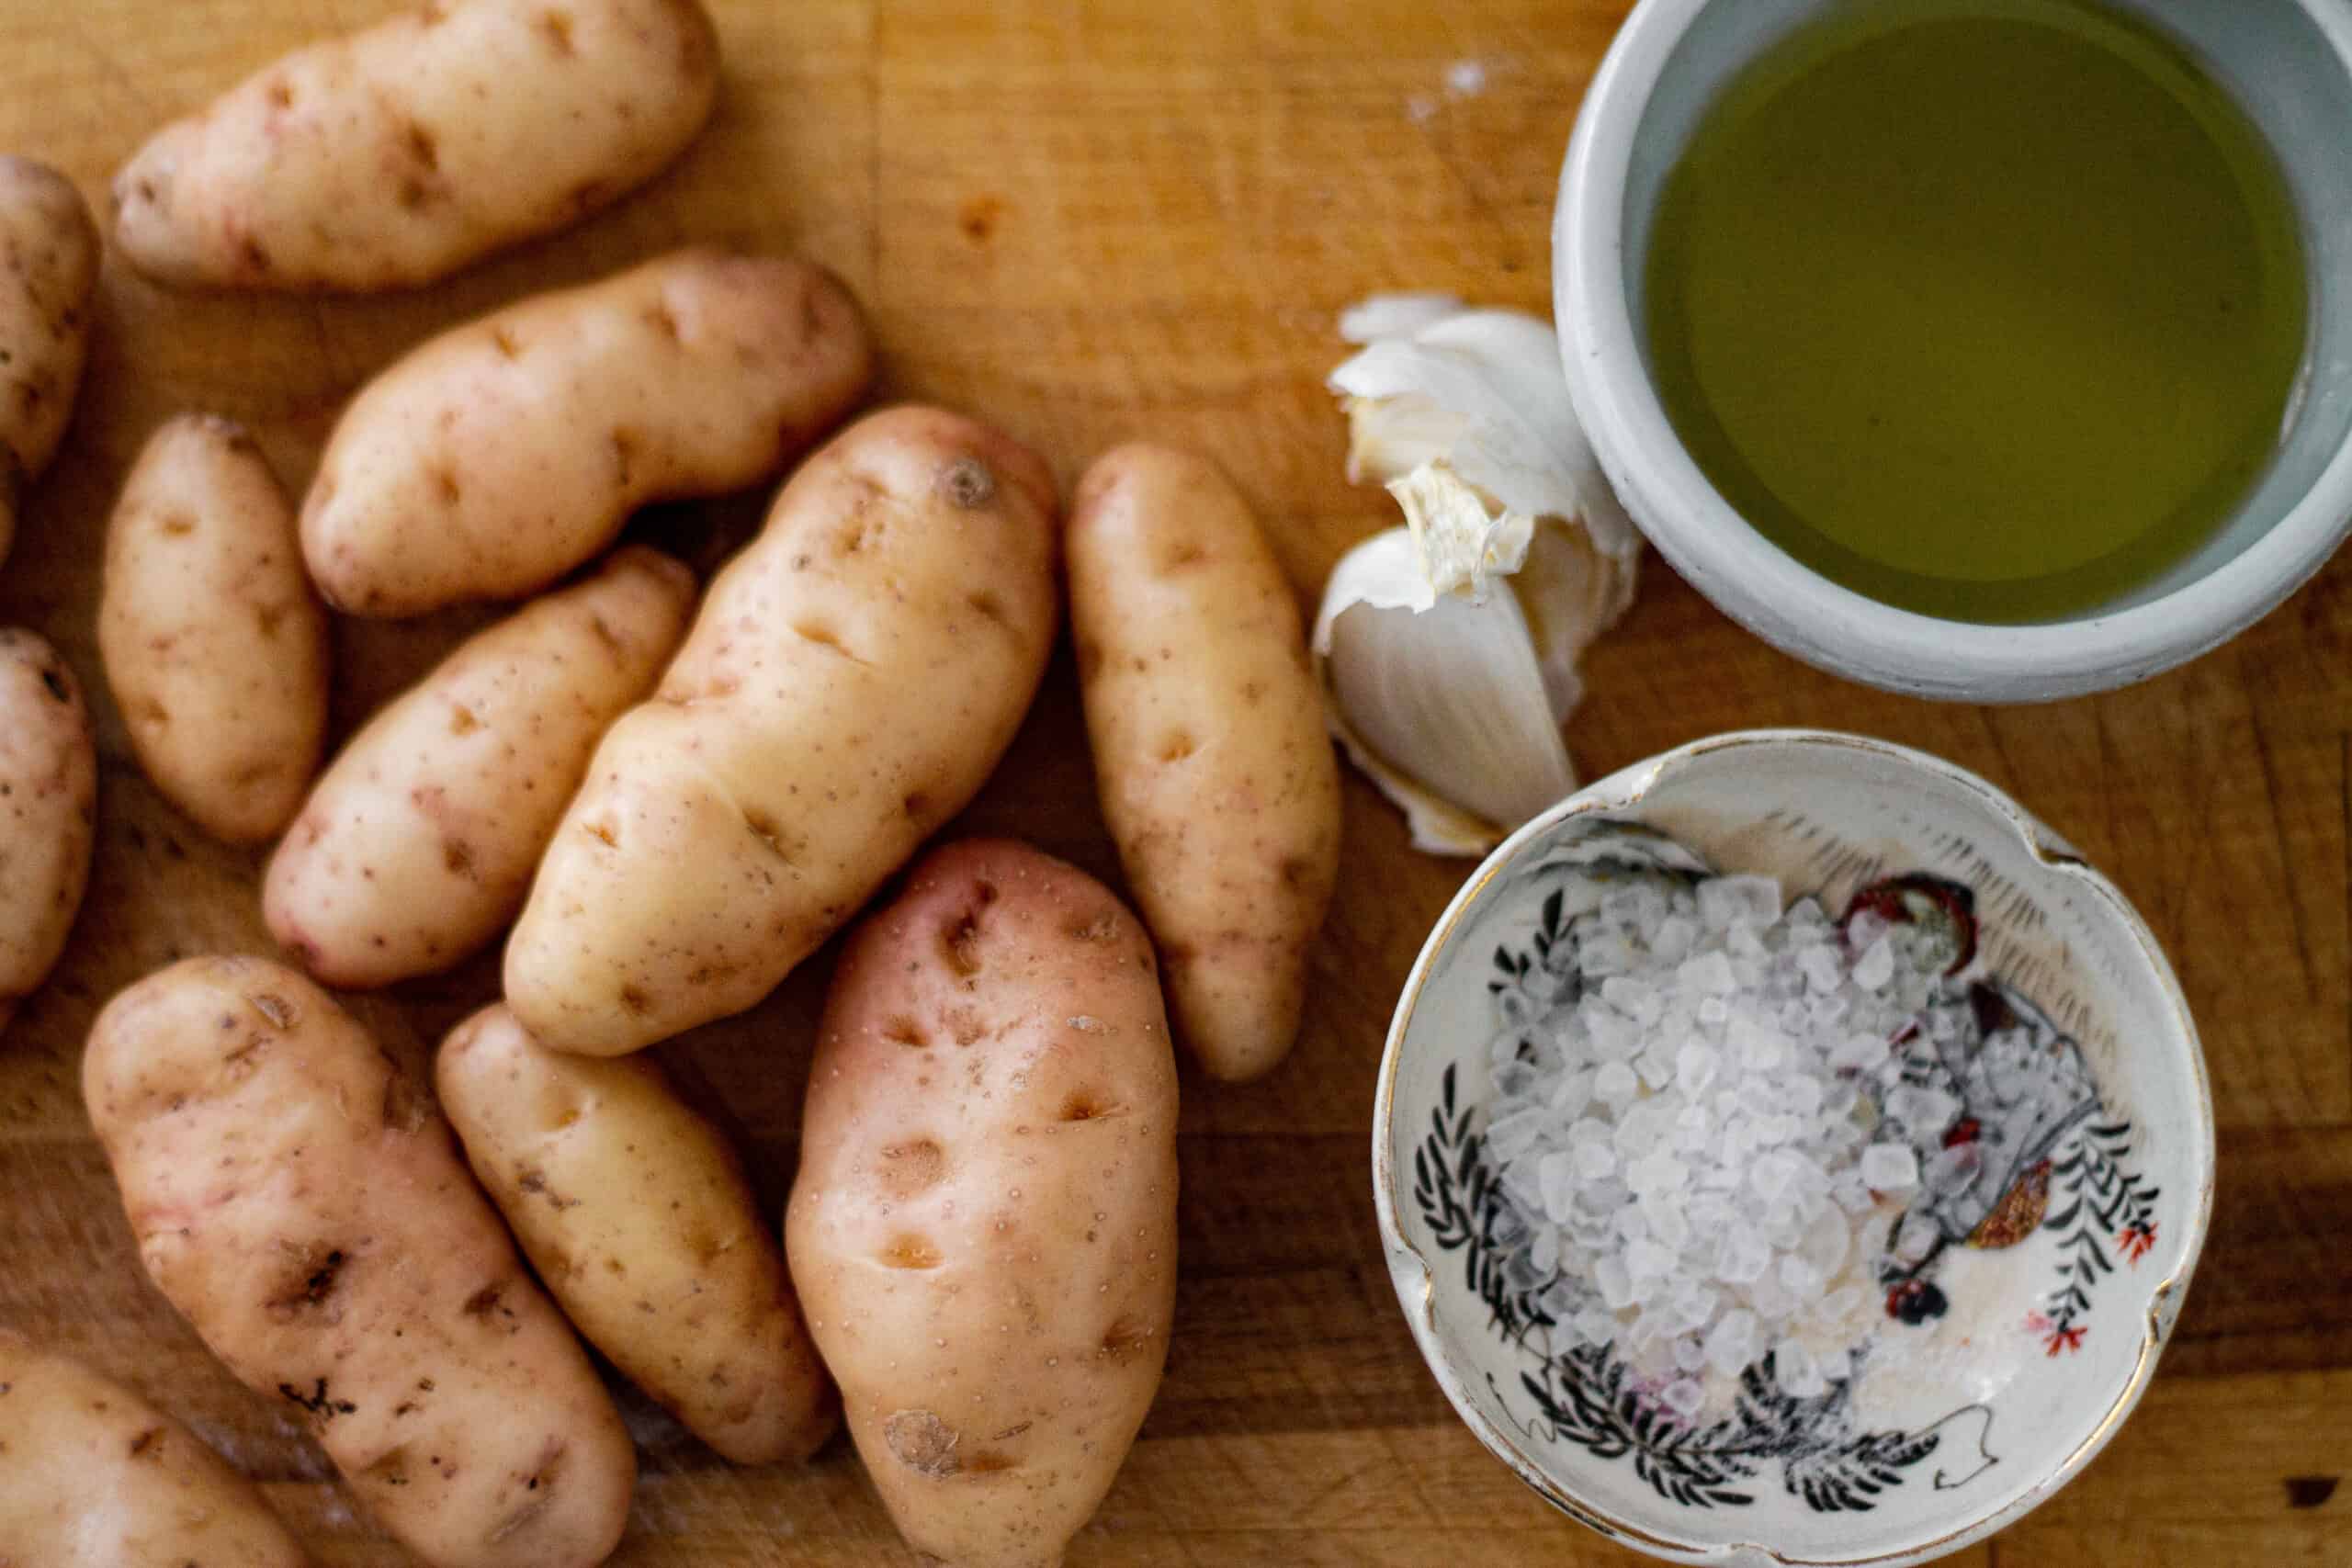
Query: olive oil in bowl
x=1991, y=309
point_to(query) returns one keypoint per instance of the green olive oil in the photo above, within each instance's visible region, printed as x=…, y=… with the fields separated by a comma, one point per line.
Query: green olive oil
x=1991, y=309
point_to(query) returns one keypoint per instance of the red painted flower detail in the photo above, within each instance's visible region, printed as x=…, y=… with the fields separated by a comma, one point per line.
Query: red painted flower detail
x=2134, y=1241
x=2065, y=1339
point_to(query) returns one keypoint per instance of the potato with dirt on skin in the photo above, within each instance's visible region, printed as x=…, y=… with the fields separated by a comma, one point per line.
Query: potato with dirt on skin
x=305, y=1208
x=49, y=264
x=636, y=1213
x=499, y=456
x=416, y=847
x=850, y=682
x=1211, y=756
x=49, y=787
x=983, y=1228
x=394, y=156
x=213, y=643
x=92, y=1476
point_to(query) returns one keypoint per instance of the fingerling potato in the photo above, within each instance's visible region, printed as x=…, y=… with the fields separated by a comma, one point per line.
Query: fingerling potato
x=92, y=1476
x=635, y=1211
x=48, y=786
x=305, y=1208
x=1210, y=754
x=983, y=1228
x=49, y=264
x=418, y=846
x=392, y=157
x=503, y=453
x=213, y=643
x=850, y=682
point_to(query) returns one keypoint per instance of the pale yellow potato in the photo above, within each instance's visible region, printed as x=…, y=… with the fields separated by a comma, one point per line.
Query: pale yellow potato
x=636, y=1213
x=983, y=1228
x=850, y=683
x=1211, y=757
x=418, y=846
x=394, y=156
x=49, y=787
x=213, y=642
x=49, y=264
x=305, y=1208
x=500, y=455
x=92, y=1476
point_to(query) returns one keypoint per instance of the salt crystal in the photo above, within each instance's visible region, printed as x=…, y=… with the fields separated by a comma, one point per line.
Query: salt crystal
x=1837, y=1366
x=1731, y=1344
x=1615, y=1086
x=1932, y=1112
x=1558, y=1176
x=1672, y=939
x=1800, y=1276
x=1589, y=1130
x=1694, y=1067
x=1647, y=1258
x=1771, y=1298
x=1827, y=1240
x=1508, y=1137
x=1800, y=1096
x=1953, y=1170
x=1840, y=1303
x=1769, y=1177
x=1594, y=1160
x=1658, y=1171
x=1615, y=1281
x=1597, y=1326
x=1685, y=1397
x=1689, y=1355
x=1890, y=1167
x=1695, y=1306
x=1860, y=1049
x=1820, y=967
x=1606, y=952
x=1614, y=1036
x=1796, y=1370
x=1637, y=1000
x=1667, y=1220
x=1743, y=1259
x=1755, y=899
x=1544, y=1252
x=1875, y=967
x=1708, y=974
x=1713, y=1011
x=1655, y=1066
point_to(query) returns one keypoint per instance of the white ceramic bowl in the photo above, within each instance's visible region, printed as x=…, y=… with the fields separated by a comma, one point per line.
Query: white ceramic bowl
x=2289, y=61
x=1951, y=1427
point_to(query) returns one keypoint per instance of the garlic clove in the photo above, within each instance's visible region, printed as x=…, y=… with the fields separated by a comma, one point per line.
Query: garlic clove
x=1442, y=702
x=1450, y=695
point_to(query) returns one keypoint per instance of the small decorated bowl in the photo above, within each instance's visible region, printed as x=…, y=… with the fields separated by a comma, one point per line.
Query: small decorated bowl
x=1987, y=1363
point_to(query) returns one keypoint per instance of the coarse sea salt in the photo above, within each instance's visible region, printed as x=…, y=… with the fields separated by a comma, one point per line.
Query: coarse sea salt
x=1699, y=1111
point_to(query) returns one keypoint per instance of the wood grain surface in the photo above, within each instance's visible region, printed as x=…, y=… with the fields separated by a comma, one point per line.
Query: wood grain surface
x=1090, y=221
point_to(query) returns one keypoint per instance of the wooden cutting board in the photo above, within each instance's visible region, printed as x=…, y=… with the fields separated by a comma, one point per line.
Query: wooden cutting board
x=1096, y=221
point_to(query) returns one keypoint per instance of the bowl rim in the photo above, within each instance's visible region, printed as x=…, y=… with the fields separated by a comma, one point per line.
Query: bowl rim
x=1770, y=592
x=1415, y=1279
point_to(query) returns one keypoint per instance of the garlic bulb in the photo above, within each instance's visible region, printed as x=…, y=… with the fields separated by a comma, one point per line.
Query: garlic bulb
x=1449, y=695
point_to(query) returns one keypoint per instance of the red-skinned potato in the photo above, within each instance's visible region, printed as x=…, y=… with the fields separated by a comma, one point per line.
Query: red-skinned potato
x=393, y=156
x=850, y=682
x=92, y=1476
x=494, y=458
x=49, y=264
x=306, y=1209
x=48, y=786
x=1214, y=769
x=418, y=846
x=214, y=645
x=635, y=1211
x=983, y=1228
